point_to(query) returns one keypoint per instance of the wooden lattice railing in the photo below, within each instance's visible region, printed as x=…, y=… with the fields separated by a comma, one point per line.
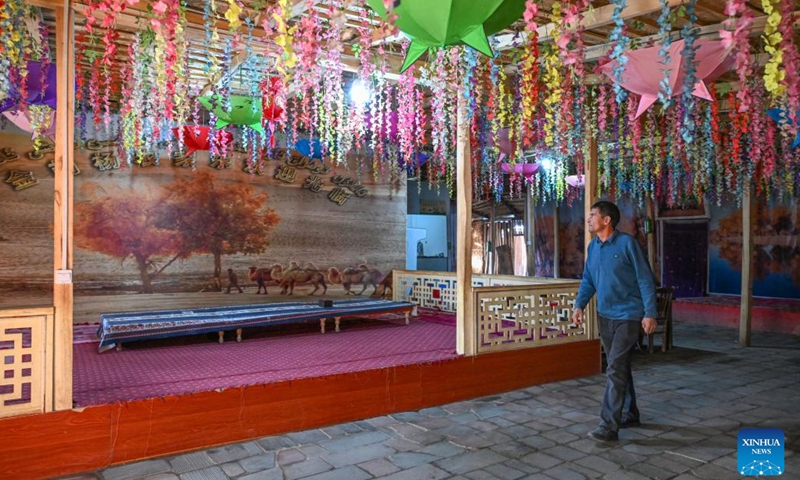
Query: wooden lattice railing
x=26, y=357
x=438, y=289
x=513, y=317
x=510, y=312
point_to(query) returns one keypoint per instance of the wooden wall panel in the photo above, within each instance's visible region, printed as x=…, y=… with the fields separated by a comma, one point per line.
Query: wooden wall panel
x=61, y=443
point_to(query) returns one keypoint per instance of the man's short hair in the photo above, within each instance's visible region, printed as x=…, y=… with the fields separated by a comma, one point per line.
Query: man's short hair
x=607, y=209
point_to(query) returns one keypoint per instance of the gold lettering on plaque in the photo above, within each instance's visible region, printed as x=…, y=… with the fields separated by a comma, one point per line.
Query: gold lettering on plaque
x=338, y=196
x=313, y=183
x=21, y=180
x=285, y=173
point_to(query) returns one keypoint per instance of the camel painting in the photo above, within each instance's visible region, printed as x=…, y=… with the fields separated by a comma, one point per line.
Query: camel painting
x=384, y=288
x=294, y=275
x=351, y=276
x=261, y=276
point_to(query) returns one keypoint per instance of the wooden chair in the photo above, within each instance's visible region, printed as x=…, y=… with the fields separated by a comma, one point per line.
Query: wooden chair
x=664, y=297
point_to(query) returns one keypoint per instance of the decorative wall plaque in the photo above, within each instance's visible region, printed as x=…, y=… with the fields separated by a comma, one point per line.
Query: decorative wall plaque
x=285, y=173
x=104, y=161
x=220, y=163
x=52, y=166
x=7, y=154
x=338, y=196
x=313, y=183
x=41, y=147
x=21, y=180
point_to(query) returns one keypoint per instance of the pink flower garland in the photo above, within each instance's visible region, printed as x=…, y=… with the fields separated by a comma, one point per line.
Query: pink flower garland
x=736, y=37
x=791, y=63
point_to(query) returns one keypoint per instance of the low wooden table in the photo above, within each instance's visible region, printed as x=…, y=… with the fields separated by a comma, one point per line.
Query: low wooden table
x=117, y=328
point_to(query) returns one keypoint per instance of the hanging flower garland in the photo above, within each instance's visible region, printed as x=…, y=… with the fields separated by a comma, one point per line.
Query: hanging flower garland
x=366, y=69
x=791, y=65
x=406, y=115
x=13, y=45
x=440, y=118
x=774, y=74
x=738, y=25
x=764, y=133
x=530, y=71
x=469, y=82
x=620, y=40
x=287, y=60
x=664, y=29
x=307, y=45
x=552, y=81
x=332, y=118
x=689, y=33
x=210, y=40
x=579, y=97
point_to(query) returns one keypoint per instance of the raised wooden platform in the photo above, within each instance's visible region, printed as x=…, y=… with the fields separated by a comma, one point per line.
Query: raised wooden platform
x=61, y=443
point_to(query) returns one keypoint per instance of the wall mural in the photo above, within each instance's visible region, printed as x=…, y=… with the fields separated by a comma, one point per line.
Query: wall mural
x=776, y=256
x=191, y=223
x=571, y=231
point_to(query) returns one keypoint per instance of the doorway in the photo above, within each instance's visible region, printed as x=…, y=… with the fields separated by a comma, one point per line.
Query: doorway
x=684, y=264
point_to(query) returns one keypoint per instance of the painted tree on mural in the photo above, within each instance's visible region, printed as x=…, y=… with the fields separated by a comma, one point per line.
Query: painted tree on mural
x=775, y=237
x=126, y=227
x=218, y=219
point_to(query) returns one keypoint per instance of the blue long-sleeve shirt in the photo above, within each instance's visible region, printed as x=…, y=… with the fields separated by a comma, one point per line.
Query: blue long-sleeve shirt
x=618, y=272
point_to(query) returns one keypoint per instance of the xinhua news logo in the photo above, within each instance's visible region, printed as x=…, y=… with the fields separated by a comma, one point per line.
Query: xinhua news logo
x=760, y=451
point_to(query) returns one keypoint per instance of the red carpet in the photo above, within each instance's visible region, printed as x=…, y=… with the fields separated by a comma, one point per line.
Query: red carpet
x=784, y=304
x=191, y=364
x=778, y=315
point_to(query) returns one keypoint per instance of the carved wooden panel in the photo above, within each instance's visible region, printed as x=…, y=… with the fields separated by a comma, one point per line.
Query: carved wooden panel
x=527, y=316
x=25, y=372
x=429, y=289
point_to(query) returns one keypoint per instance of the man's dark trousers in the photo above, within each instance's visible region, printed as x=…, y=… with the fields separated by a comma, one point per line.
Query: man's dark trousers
x=618, y=338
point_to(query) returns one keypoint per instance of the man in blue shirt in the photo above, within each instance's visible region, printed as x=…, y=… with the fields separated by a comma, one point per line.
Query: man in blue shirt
x=617, y=271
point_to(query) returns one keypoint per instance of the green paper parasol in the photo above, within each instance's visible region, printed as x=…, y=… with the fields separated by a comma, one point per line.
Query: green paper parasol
x=438, y=23
x=244, y=111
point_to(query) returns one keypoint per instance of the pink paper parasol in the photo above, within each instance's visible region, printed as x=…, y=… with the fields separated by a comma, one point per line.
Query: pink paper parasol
x=576, y=180
x=644, y=70
x=504, y=143
x=526, y=169
x=21, y=119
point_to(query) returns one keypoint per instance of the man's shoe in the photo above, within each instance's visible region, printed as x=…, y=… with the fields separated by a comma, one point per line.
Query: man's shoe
x=603, y=435
x=635, y=422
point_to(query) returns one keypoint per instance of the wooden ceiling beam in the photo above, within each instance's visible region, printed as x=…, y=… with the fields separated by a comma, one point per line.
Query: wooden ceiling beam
x=592, y=19
x=708, y=32
x=49, y=4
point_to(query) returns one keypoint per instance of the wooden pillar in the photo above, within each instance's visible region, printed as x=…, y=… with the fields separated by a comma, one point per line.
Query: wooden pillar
x=556, y=242
x=465, y=318
x=589, y=189
x=746, y=309
x=492, y=258
x=589, y=197
x=62, y=220
x=530, y=230
x=651, y=238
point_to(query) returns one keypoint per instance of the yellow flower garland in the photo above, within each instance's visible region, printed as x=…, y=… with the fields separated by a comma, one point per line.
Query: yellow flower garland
x=774, y=74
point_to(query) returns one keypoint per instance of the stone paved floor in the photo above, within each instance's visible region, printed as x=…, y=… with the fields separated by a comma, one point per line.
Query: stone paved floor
x=694, y=400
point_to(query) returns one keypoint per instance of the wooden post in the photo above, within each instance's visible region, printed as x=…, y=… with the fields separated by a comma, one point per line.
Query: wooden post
x=492, y=263
x=651, y=239
x=589, y=189
x=746, y=309
x=62, y=198
x=530, y=230
x=465, y=318
x=556, y=242
x=589, y=197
